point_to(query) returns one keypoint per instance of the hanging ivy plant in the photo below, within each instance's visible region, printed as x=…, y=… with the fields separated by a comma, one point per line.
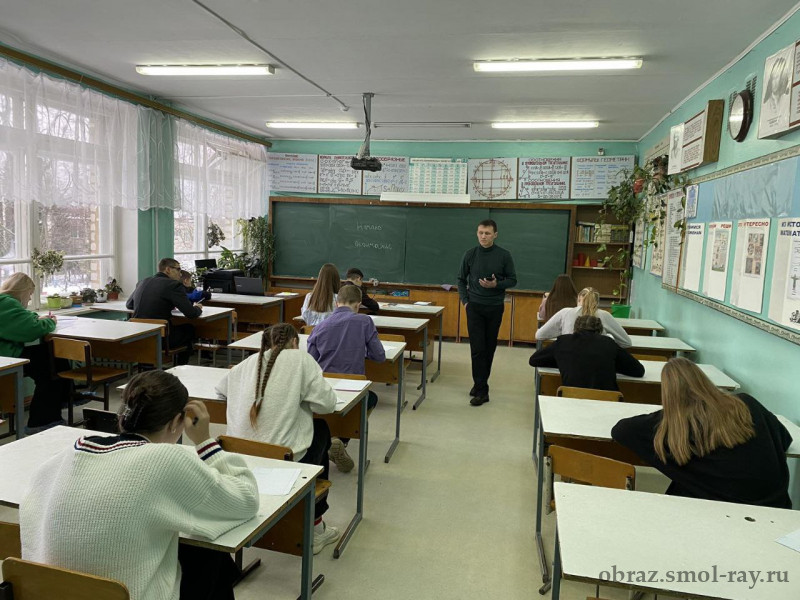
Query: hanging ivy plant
x=214, y=235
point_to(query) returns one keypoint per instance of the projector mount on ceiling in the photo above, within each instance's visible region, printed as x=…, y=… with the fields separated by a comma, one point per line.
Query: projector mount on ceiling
x=362, y=161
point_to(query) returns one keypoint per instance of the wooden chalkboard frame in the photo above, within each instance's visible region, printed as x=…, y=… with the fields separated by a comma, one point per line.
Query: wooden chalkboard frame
x=504, y=205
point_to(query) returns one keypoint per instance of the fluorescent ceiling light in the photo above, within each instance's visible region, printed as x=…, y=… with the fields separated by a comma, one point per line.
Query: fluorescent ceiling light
x=205, y=70
x=571, y=64
x=423, y=124
x=327, y=125
x=545, y=124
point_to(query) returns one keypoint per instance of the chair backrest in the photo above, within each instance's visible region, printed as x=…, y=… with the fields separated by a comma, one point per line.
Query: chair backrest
x=391, y=337
x=653, y=357
x=78, y=350
x=589, y=394
x=163, y=322
x=343, y=376
x=100, y=420
x=10, y=544
x=217, y=411
x=592, y=469
x=307, y=329
x=253, y=448
x=32, y=581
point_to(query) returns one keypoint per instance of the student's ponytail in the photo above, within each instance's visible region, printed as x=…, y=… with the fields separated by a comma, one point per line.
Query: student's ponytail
x=277, y=338
x=589, y=299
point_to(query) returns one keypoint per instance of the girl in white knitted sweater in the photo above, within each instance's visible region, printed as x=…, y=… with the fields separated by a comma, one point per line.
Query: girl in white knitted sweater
x=113, y=506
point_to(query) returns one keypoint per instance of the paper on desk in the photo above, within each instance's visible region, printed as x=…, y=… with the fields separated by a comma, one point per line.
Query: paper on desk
x=791, y=540
x=275, y=482
x=423, y=303
x=350, y=385
x=285, y=294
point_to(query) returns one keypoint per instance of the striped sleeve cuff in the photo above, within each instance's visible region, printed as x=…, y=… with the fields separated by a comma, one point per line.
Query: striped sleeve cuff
x=207, y=449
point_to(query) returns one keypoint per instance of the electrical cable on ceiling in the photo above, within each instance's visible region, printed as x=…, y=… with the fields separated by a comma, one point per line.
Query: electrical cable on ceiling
x=243, y=34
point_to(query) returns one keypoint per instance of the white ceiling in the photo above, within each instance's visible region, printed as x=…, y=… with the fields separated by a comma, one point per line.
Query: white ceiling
x=415, y=55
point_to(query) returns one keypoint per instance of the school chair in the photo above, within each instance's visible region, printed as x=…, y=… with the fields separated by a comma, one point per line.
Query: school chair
x=307, y=329
x=100, y=420
x=8, y=403
x=566, y=391
x=10, y=543
x=217, y=411
x=588, y=469
x=286, y=536
x=24, y=580
x=209, y=345
x=167, y=354
x=652, y=357
x=90, y=375
x=298, y=323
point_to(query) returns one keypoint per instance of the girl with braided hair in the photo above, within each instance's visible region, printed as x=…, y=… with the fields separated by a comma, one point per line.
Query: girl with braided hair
x=272, y=397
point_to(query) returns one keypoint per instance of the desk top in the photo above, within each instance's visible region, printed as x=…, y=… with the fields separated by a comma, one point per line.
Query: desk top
x=640, y=324
x=101, y=330
x=19, y=461
x=209, y=312
x=593, y=419
x=6, y=363
x=427, y=310
x=404, y=323
x=652, y=374
x=393, y=350
x=650, y=342
x=244, y=299
x=601, y=527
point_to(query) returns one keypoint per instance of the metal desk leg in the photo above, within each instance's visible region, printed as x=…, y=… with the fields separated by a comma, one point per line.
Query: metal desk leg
x=362, y=467
x=400, y=405
x=538, y=531
x=280, y=311
x=439, y=362
x=537, y=383
x=424, y=367
x=308, y=545
x=19, y=416
x=556, y=572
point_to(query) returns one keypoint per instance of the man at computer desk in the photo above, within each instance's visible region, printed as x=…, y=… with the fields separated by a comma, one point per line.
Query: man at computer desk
x=156, y=296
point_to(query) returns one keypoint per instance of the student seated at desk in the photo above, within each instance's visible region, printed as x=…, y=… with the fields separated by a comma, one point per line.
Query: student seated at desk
x=340, y=344
x=564, y=320
x=712, y=445
x=272, y=397
x=563, y=295
x=156, y=296
x=194, y=294
x=587, y=358
x=19, y=326
x=356, y=277
x=321, y=301
x=114, y=506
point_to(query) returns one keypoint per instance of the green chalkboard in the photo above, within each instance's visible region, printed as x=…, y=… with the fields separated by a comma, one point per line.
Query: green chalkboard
x=301, y=246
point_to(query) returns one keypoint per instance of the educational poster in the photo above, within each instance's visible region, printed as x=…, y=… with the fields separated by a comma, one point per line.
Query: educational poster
x=393, y=176
x=492, y=178
x=776, y=90
x=692, y=192
x=543, y=178
x=639, y=254
x=715, y=278
x=749, y=264
x=694, y=140
x=592, y=176
x=292, y=172
x=437, y=175
x=336, y=176
x=657, y=255
x=763, y=191
x=675, y=149
x=784, y=299
x=673, y=238
x=794, y=110
x=692, y=256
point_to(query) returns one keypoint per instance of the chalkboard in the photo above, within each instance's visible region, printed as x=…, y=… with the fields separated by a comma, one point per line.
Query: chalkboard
x=415, y=244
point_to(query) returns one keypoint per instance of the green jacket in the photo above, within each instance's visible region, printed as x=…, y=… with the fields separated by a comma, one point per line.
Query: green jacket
x=19, y=326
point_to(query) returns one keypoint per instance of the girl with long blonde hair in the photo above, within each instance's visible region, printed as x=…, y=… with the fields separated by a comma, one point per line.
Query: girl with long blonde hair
x=321, y=301
x=563, y=322
x=712, y=445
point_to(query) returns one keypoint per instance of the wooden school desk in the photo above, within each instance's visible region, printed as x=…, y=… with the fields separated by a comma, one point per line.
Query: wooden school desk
x=343, y=422
x=597, y=528
x=11, y=378
x=641, y=326
x=661, y=346
x=390, y=371
x=19, y=461
x=415, y=332
x=263, y=310
x=434, y=314
x=586, y=425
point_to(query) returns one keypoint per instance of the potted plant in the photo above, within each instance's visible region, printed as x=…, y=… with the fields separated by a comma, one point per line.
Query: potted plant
x=101, y=295
x=88, y=295
x=76, y=297
x=54, y=301
x=66, y=301
x=113, y=290
x=258, y=243
x=46, y=263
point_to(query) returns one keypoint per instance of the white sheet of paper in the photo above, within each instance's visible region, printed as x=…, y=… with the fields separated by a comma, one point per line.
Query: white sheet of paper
x=422, y=303
x=791, y=540
x=349, y=385
x=275, y=482
x=285, y=294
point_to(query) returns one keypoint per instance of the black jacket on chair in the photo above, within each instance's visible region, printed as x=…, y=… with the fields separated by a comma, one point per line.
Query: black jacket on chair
x=588, y=360
x=156, y=296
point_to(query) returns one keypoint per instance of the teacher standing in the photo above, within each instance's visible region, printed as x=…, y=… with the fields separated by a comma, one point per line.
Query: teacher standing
x=487, y=270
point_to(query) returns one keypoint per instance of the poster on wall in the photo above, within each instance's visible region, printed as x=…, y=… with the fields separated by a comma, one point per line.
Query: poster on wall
x=292, y=172
x=592, y=176
x=715, y=278
x=336, y=176
x=492, y=178
x=749, y=264
x=784, y=299
x=393, y=176
x=692, y=192
x=639, y=254
x=673, y=238
x=794, y=110
x=543, y=178
x=693, y=256
x=776, y=90
x=675, y=149
x=657, y=255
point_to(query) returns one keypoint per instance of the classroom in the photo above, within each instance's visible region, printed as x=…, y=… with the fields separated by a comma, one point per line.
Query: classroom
x=421, y=300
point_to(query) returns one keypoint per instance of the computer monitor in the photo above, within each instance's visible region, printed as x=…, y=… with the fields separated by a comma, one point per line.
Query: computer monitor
x=250, y=286
x=205, y=263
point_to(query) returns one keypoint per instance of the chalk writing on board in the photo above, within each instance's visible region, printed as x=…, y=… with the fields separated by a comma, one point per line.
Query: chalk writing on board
x=544, y=178
x=393, y=176
x=292, y=172
x=492, y=178
x=369, y=227
x=336, y=176
x=372, y=245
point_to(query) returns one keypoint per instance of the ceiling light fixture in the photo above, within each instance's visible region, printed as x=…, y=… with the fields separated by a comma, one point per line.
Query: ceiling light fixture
x=545, y=124
x=308, y=125
x=569, y=64
x=423, y=124
x=205, y=70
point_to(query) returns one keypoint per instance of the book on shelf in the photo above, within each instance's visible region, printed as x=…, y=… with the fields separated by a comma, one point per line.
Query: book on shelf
x=585, y=232
x=611, y=233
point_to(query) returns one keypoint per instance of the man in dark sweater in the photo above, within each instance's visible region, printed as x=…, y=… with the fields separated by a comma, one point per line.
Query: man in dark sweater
x=156, y=296
x=487, y=270
x=587, y=358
